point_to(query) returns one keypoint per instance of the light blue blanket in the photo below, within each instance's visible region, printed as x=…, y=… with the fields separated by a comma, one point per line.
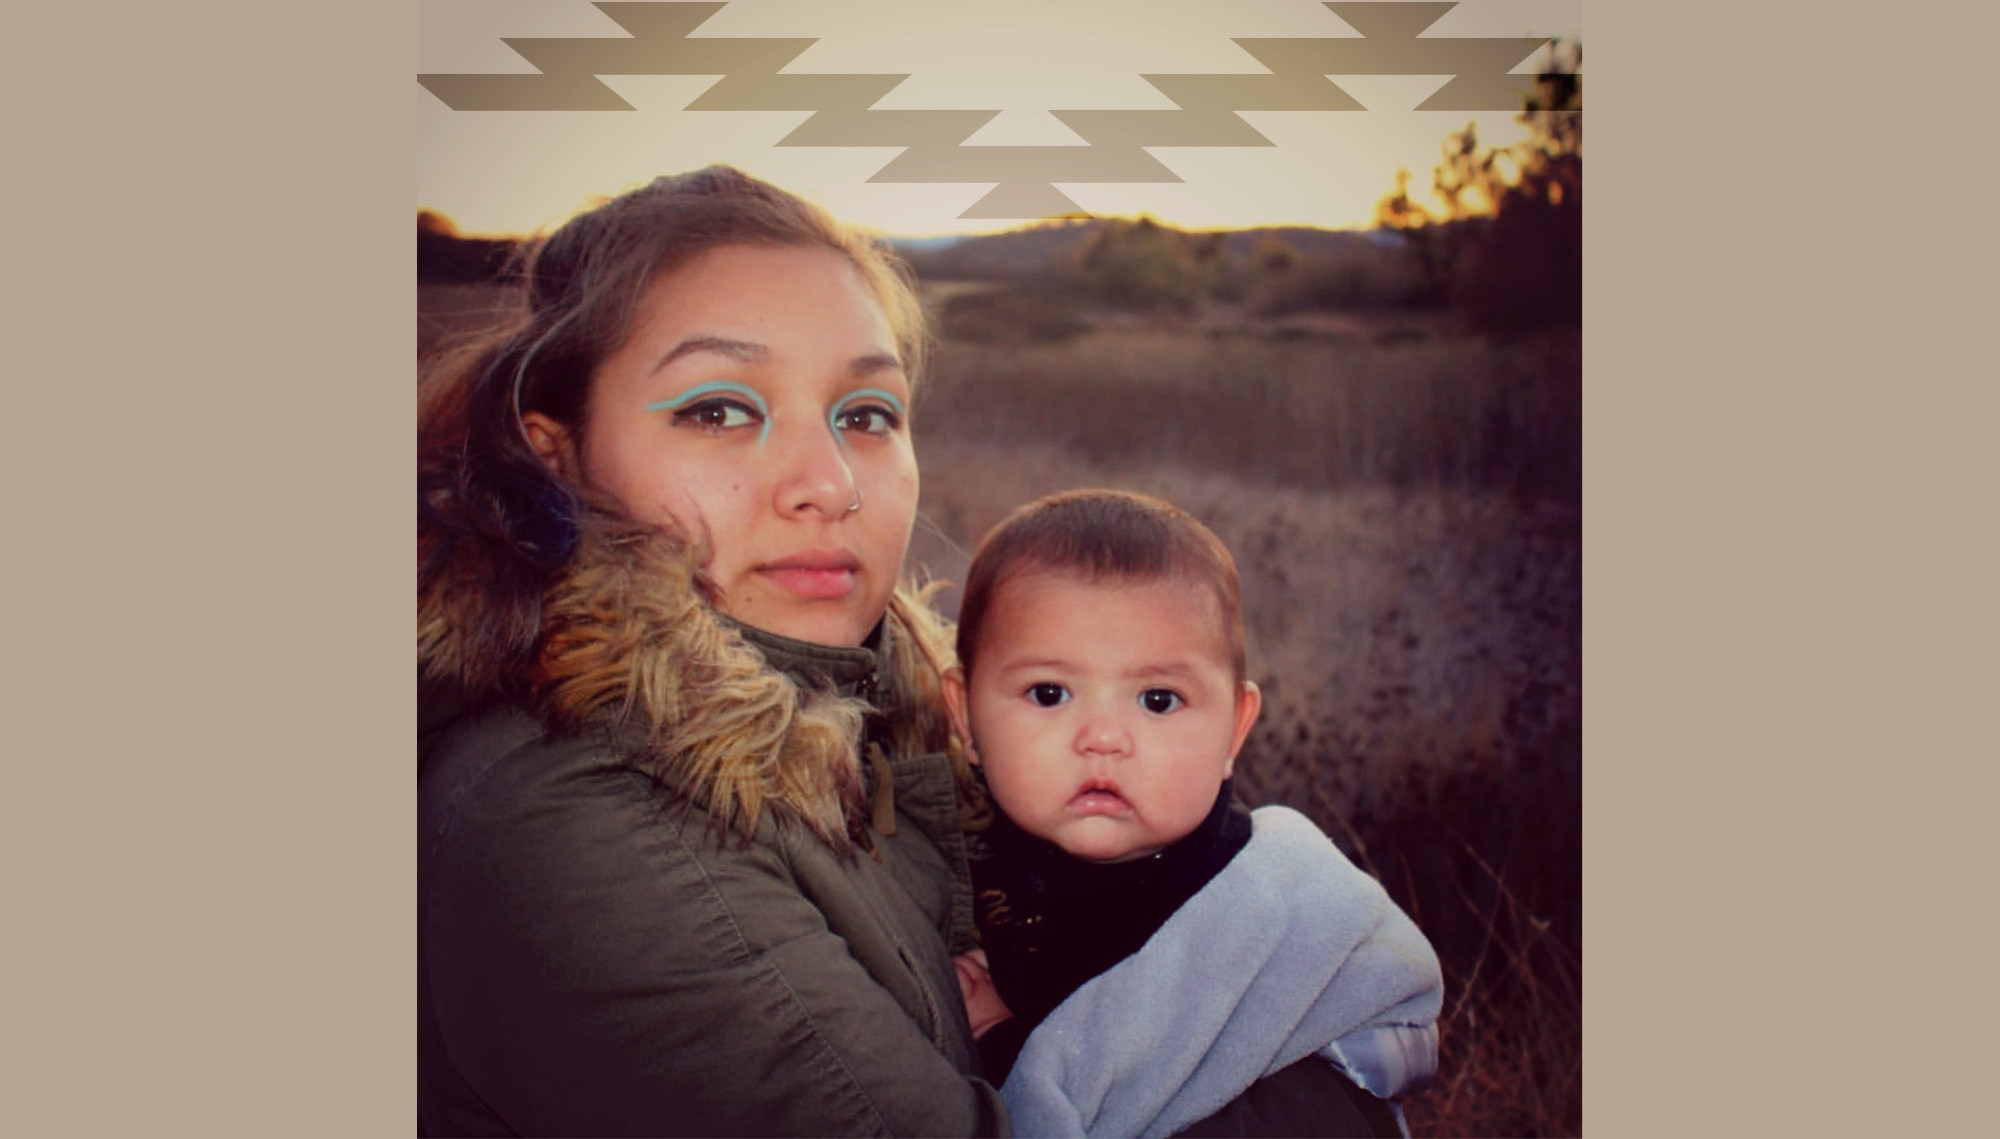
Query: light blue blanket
x=1289, y=951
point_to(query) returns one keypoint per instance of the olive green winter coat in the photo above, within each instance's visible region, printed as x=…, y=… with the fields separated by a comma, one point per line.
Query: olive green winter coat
x=622, y=934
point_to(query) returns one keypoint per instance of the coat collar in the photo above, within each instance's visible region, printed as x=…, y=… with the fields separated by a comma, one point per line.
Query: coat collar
x=741, y=721
x=853, y=672
x=746, y=723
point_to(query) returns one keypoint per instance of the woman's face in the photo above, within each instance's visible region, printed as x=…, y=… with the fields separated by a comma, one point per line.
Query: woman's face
x=760, y=401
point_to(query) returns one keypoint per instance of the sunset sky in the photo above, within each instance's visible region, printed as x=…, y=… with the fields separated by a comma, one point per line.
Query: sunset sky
x=517, y=171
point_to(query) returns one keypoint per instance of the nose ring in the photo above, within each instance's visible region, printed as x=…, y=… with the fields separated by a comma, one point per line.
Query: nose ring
x=856, y=504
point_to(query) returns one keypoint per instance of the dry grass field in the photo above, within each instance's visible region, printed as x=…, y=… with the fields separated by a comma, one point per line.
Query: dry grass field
x=1404, y=503
x=1404, y=507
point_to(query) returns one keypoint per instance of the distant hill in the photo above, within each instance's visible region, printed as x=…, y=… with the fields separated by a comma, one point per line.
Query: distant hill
x=1034, y=251
x=1305, y=239
x=1048, y=249
x=1043, y=251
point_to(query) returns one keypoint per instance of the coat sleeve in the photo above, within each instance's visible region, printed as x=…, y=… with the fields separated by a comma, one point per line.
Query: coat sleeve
x=596, y=965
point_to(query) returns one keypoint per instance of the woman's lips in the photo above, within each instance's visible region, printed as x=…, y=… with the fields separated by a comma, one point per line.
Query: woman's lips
x=815, y=576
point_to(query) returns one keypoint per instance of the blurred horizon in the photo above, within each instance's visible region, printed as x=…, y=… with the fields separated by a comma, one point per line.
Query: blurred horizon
x=442, y=221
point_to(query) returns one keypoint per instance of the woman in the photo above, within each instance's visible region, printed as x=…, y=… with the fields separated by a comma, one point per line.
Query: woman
x=690, y=857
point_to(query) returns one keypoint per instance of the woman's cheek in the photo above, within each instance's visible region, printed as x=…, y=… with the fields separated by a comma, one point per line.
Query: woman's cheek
x=682, y=496
x=716, y=500
x=898, y=474
x=643, y=481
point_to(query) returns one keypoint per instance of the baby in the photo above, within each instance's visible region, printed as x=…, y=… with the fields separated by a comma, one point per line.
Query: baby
x=1247, y=978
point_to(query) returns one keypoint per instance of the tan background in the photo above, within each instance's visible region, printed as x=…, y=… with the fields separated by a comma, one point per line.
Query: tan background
x=1788, y=594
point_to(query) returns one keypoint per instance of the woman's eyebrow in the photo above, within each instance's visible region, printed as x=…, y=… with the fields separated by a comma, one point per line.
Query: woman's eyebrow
x=750, y=353
x=862, y=366
x=743, y=350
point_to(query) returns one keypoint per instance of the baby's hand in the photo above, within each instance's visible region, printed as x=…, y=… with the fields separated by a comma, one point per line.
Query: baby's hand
x=983, y=1006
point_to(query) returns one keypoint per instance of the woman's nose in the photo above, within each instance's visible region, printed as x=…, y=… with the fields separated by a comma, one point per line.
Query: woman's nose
x=813, y=474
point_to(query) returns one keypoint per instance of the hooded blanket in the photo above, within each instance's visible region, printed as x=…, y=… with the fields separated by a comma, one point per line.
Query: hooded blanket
x=1291, y=950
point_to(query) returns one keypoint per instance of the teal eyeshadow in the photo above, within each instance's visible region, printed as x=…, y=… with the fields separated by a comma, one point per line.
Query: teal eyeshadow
x=699, y=390
x=833, y=417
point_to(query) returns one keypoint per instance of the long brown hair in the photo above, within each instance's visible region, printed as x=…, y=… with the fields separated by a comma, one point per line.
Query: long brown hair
x=495, y=523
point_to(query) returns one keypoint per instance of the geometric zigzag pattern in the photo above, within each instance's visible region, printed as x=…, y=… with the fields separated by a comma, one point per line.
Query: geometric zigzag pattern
x=844, y=113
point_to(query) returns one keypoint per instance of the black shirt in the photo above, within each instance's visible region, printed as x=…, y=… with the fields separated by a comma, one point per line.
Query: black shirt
x=1050, y=922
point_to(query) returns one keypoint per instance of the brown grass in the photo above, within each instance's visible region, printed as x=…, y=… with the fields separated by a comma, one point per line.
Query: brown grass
x=1420, y=654
x=1405, y=517
x=1512, y=1061
x=1315, y=409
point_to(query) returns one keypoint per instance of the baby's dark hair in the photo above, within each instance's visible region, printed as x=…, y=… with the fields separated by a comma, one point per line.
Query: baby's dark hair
x=1100, y=536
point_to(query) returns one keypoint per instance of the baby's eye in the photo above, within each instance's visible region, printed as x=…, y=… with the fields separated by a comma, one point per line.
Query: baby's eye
x=1048, y=695
x=1160, y=701
x=867, y=419
x=716, y=414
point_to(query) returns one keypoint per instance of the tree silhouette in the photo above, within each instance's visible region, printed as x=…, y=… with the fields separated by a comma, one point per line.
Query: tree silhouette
x=444, y=256
x=1505, y=243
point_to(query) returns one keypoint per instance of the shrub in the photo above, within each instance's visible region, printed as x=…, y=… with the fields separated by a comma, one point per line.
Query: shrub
x=1011, y=316
x=1145, y=265
x=1357, y=277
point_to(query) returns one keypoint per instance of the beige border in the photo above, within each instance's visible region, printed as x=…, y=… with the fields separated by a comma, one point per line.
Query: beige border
x=210, y=709
x=210, y=316
x=1784, y=537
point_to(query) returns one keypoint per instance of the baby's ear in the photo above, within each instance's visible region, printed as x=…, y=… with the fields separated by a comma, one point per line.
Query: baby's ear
x=1248, y=703
x=955, y=702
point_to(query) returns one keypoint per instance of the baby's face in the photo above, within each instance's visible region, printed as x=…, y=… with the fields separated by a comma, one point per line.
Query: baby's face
x=1105, y=715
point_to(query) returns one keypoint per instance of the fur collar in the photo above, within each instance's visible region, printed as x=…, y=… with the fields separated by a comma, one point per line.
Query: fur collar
x=630, y=640
x=627, y=631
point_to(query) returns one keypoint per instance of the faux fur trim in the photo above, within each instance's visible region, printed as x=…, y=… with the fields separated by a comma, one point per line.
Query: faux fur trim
x=626, y=629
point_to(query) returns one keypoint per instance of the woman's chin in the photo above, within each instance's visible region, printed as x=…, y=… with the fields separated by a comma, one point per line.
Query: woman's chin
x=835, y=626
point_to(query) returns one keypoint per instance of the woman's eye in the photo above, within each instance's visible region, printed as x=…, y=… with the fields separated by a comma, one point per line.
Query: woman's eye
x=1160, y=701
x=1048, y=695
x=717, y=414
x=867, y=419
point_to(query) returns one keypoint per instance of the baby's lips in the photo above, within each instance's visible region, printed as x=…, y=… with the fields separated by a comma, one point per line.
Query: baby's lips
x=1099, y=799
